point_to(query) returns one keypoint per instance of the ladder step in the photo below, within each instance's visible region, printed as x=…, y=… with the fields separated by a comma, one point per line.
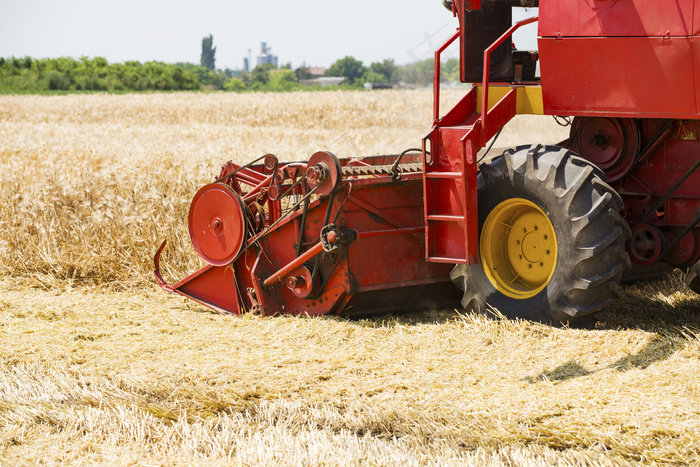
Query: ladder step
x=445, y=218
x=449, y=175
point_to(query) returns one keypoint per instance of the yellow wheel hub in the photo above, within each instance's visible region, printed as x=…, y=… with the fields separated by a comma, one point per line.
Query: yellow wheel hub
x=518, y=248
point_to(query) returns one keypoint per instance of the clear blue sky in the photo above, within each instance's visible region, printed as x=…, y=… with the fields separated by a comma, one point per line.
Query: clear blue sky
x=317, y=32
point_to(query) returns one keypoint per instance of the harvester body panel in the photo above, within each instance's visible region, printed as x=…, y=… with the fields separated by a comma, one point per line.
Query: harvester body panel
x=631, y=58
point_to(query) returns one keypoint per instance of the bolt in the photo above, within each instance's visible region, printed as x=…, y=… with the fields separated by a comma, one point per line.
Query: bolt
x=296, y=282
x=517, y=242
x=332, y=236
x=547, y=251
x=541, y=264
x=529, y=266
x=545, y=237
x=524, y=230
x=217, y=224
x=599, y=139
x=535, y=227
x=520, y=256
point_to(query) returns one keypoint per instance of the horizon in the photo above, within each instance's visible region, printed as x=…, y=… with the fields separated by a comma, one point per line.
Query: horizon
x=171, y=32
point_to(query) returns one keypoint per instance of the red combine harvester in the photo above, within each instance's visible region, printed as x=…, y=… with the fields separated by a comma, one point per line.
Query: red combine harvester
x=540, y=232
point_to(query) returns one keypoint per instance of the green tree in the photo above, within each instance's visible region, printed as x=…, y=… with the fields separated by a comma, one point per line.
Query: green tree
x=283, y=80
x=416, y=73
x=208, y=51
x=349, y=68
x=450, y=70
x=261, y=76
x=386, y=68
x=372, y=77
x=235, y=85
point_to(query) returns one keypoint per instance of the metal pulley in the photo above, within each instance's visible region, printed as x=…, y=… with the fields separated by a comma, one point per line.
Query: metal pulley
x=323, y=173
x=646, y=244
x=612, y=144
x=302, y=282
x=217, y=224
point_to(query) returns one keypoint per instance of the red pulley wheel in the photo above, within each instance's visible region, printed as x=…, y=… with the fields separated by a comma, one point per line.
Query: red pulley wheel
x=687, y=251
x=610, y=143
x=324, y=173
x=601, y=140
x=300, y=281
x=217, y=224
x=646, y=244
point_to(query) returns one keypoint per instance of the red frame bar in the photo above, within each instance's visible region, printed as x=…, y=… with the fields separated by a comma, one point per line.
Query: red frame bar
x=301, y=259
x=252, y=194
x=381, y=233
x=487, y=73
x=436, y=76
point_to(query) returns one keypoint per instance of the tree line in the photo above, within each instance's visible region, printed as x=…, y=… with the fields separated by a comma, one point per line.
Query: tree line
x=97, y=74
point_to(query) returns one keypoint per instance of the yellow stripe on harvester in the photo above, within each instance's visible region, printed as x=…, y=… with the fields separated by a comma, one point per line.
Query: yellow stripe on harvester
x=528, y=98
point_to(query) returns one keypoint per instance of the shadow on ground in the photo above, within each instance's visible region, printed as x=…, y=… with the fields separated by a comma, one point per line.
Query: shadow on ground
x=665, y=306
x=658, y=349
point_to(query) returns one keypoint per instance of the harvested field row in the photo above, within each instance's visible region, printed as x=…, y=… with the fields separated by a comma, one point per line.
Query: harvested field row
x=97, y=377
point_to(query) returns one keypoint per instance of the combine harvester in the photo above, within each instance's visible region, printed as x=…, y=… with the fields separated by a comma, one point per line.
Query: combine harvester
x=540, y=232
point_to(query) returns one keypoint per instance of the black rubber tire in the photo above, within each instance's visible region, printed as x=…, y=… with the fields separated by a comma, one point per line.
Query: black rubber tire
x=590, y=232
x=692, y=278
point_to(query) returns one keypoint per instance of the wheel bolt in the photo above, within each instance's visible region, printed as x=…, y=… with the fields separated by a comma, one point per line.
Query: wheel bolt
x=547, y=251
x=535, y=227
x=517, y=242
x=541, y=264
x=529, y=266
x=524, y=230
x=545, y=237
x=520, y=256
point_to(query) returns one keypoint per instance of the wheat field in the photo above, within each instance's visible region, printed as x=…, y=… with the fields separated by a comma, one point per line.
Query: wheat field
x=100, y=367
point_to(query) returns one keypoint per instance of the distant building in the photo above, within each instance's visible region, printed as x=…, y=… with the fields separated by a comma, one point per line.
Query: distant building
x=266, y=56
x=316, y=71
x=246, y=65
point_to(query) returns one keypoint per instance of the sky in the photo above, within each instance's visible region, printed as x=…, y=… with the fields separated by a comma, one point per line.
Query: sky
x=311, y=32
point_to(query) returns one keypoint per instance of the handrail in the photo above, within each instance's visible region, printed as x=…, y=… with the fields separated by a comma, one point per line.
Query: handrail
x=487, y=71
x=436, y=77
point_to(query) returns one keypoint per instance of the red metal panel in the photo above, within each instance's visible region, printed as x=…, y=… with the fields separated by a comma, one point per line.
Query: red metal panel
x=696, y=63
x=696, y=19
x=636, y=76
x=576, y=18
x=212, y=286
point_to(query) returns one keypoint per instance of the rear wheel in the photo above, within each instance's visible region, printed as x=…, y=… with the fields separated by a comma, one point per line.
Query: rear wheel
x=552, y=241
x=692, y=278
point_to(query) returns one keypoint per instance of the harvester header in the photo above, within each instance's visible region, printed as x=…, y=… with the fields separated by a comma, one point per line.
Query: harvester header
x=542, y=231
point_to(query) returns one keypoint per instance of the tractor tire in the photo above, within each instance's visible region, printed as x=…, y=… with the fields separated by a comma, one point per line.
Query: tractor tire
x=692, y=278
x=551, y=238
